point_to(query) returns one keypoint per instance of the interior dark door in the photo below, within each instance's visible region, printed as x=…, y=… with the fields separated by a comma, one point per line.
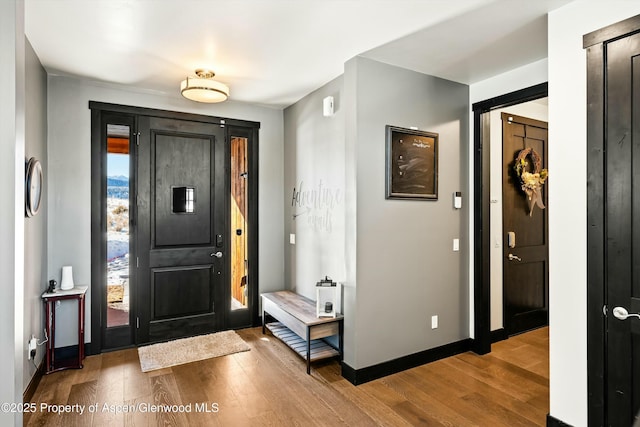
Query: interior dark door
x=182, y=233
x=525, y=271
x=622, y=216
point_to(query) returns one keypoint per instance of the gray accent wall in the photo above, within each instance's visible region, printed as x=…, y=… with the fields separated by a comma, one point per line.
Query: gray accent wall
x=398, y=265
x=35, y=228
x=69, y=231
x=406, y=268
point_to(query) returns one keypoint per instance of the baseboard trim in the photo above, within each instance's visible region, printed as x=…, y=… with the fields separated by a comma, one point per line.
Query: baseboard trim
x=370, y=373
x=554, y=422
x=33, y=384
x=499, y=335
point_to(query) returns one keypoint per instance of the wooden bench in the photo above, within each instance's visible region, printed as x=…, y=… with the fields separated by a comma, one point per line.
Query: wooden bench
x=300, y=328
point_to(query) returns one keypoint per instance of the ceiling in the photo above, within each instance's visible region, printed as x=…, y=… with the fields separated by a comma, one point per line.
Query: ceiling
x=274, y=52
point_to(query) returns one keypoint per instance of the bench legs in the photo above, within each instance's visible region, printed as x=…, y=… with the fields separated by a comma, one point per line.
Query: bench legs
x=308, y=340
x=308, y=350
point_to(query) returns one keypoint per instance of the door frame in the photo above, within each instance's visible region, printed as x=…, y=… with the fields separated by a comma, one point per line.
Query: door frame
x=98, y=175
x=481, y=212
x=594, y=44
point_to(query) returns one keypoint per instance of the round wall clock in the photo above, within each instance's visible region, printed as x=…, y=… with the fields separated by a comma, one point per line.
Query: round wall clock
x=33, y=187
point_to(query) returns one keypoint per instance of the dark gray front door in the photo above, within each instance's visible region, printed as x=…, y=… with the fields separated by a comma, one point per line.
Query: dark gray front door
x=182, y=233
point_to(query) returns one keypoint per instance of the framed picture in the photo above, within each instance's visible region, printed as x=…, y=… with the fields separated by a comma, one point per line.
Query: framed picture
x=412, y=164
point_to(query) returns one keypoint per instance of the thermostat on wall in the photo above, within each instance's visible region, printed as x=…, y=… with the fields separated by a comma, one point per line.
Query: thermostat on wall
x=327, y=106
x=457, y=200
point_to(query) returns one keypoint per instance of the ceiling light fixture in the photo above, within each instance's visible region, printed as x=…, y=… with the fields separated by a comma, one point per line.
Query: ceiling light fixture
x=203, y=88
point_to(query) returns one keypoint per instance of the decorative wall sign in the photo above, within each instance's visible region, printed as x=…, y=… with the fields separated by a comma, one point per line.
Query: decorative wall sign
x=317, y=204
x=412, y=164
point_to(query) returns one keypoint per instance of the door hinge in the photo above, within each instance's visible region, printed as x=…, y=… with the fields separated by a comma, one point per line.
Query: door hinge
x=137, y=323
x=604, y=310
x=137, y=138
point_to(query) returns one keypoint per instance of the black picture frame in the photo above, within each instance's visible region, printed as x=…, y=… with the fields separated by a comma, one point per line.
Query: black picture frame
x=411, y=164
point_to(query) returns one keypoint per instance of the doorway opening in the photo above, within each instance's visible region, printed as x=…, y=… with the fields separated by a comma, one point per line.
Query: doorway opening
x=510, y=245
x=485, y=327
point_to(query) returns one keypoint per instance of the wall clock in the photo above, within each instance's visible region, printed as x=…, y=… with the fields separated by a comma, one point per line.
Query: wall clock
x=34, y=181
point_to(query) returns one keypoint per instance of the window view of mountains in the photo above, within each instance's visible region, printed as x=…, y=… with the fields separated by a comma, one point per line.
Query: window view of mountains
x=118, y=187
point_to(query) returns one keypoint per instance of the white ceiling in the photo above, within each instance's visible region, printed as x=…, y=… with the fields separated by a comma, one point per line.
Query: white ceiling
x=273, y=52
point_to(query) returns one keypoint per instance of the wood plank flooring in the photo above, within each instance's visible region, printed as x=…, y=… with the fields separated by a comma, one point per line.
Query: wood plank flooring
x=268, y=386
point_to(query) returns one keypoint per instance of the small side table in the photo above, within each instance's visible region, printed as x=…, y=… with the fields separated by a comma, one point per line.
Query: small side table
x=50, y=298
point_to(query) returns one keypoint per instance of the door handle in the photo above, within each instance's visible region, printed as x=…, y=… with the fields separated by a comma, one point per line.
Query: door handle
x=216, y=254
x=621, y=313
x=514, y=257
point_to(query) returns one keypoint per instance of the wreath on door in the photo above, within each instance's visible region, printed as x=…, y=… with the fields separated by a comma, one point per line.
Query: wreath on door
x=531, y=182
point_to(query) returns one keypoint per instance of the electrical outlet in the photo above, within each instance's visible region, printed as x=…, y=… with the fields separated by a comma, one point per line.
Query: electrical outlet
x=434, y=322
x=33, y=344
x=292, y=239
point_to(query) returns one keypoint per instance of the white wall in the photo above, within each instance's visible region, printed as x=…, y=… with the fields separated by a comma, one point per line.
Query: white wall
x=510, y=81
x=567, y=199
x=35, y=228
x=12, y=146
x=533, y=110
x=69, y=235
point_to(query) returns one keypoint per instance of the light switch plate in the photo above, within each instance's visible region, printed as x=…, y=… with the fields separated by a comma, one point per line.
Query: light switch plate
x=456, y=245
x=292, y=239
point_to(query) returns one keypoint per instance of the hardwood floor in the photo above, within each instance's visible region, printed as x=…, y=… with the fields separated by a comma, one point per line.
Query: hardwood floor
x=269, y=386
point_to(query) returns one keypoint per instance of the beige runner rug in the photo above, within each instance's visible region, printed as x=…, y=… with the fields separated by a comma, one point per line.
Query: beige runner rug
x=186, y=350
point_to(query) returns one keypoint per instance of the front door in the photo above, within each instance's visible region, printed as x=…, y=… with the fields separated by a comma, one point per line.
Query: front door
x=182, y=229
x=525, y=242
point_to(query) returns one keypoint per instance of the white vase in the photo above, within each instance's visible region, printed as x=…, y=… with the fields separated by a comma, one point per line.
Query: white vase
x=67, y=278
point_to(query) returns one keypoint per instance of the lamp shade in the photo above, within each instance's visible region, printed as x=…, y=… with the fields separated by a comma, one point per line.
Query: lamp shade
x=203, y=88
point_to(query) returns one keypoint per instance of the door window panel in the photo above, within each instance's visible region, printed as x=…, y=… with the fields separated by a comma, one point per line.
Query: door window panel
x=240, y=281
x=117, y=292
